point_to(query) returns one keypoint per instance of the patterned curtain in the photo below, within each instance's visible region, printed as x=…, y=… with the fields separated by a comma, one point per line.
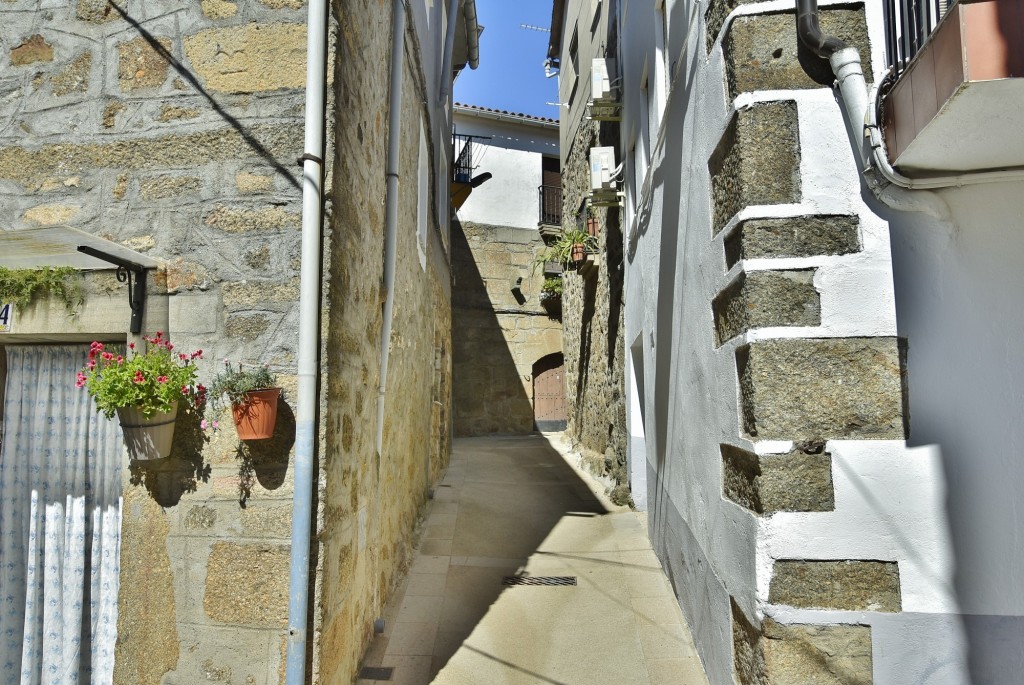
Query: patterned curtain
x=60, y=523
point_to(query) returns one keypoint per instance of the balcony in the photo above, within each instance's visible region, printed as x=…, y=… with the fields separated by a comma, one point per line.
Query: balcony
x=550, y=206
x=954, y=106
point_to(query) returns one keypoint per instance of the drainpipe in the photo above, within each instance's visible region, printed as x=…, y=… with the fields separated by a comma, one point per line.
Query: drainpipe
x=885, y=182
x=309, y=339
x=391, y=210
x=449, y=48
x=472, y=34
x=846, y=65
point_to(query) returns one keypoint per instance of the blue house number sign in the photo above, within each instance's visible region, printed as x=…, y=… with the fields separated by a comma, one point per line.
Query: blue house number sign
x=6, y=316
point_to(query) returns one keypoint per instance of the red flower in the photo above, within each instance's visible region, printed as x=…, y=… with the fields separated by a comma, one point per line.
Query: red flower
x=91, y=365
x=183, y=357
x=120, y=359
x=185, y=390
x=107, y=356
x=161, y=379
x=139, y=378
x=80, y=380
x=131, y=346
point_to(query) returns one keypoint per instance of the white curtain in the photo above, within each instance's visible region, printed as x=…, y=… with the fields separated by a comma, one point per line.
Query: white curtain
x=60, y=523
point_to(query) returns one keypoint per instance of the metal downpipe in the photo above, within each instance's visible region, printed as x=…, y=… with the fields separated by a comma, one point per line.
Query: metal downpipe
x=391, y=208
x=449, y=48
x=309, y=340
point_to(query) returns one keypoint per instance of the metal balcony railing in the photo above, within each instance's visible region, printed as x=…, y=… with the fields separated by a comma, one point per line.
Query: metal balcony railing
x=464, y=149
x=550, y=205
x=908, y=23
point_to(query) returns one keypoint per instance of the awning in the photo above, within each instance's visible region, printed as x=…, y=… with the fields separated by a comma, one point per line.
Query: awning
x=58, y=246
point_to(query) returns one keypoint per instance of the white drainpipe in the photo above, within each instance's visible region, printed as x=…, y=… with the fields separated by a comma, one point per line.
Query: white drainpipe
x=309, y=340
x=391, y=208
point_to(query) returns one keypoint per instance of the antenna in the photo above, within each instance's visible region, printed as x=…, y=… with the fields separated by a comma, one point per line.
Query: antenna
x=531, y=27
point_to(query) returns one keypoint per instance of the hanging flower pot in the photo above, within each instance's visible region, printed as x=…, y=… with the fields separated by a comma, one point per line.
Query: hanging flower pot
x=147, y=438
x=144, y=389
x=256, y=415
x=578, y=252
x=253, y=393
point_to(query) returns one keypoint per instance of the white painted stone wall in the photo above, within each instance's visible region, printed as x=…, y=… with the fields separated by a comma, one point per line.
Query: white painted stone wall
x=945, y=505
x=513, y=157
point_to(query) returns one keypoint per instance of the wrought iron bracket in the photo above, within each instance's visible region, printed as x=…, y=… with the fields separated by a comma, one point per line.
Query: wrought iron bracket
x=136, y=288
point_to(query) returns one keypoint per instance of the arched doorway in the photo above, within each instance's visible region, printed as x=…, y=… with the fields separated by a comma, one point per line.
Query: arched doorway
x=549, y=393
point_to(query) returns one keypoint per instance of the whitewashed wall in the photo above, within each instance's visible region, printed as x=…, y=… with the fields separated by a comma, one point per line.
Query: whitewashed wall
x=513, y=156
x=946, y=505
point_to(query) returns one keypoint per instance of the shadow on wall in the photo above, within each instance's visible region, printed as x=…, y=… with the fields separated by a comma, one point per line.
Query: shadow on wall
x=489, y=397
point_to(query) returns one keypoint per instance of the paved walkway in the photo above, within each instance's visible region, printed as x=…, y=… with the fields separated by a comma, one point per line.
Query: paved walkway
x=514, y=506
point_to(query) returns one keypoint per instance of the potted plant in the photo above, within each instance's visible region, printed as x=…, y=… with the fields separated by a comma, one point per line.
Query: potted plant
x=551, y=295
x=570, y=248
x=144, y=389
x=253, y=394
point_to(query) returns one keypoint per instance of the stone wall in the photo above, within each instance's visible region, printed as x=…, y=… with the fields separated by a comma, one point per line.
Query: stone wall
x=132, y=122
x=593, y=322
x=173, y=130
x=372, y=502
x=497, y=338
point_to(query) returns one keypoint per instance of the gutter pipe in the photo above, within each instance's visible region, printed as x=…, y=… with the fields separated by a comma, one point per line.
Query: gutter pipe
x=309, y=339
x=472, y=33
x=391, y=205
x=885, y=182
x=449, y=48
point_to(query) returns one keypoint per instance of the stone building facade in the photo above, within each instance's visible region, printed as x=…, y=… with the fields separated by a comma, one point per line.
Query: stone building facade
x=502, y=331
x=173, y=130
x=593, y=315
x=782, y=429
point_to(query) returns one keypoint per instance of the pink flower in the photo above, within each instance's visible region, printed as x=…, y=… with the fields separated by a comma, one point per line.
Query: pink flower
x=139, y=378
x=183, y=357
x=216, y=425
x=198, y=354
x=185, y=390
x=80, y=380
x=202, y=424
x=91, y=365
x=120, y=359
x=161, y=379
x=169, y=346
x=107, y=356
x=131, y=346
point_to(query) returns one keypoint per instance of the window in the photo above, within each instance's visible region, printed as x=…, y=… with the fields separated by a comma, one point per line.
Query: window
x=574, y=62
x=423, y=197
x=643, y=155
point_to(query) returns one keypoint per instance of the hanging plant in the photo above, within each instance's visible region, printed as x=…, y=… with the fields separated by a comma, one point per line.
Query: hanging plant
x=144, y=390
x=570, y=248
x=253, y=394
x=22, y=286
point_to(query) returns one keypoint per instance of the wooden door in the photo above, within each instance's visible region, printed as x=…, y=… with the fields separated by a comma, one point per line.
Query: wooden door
x=549, y=393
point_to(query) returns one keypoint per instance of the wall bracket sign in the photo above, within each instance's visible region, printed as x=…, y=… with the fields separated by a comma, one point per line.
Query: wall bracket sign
x=125, y=271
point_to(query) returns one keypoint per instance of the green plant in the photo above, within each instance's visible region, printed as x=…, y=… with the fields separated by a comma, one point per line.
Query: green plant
x=152, y=381
x=552, y=288
x=561, y=250
x=233, y=384
x=21, y=286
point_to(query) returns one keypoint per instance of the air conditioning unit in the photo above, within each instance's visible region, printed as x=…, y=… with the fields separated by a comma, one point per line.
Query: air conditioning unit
x=602, y=168
x=601, y=89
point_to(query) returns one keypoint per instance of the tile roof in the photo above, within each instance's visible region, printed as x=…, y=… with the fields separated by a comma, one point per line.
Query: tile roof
x=504, y=112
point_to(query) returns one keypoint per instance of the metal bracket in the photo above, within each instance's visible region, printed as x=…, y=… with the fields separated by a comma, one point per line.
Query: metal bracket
x=125, y=270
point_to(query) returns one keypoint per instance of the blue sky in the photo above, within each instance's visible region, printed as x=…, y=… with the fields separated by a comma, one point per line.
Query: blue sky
x=511, y=72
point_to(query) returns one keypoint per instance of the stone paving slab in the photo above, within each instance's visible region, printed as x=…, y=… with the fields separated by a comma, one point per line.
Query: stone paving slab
x=518, y=506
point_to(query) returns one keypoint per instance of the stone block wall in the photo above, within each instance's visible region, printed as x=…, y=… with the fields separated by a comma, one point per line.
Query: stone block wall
x=593, y=322
x=497, y=338
x=372, y=502
x=173, y=129
x=795, y=387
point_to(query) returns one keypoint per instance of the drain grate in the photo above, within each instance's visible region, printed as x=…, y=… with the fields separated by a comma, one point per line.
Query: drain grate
x=376, y=672
x=538, y=580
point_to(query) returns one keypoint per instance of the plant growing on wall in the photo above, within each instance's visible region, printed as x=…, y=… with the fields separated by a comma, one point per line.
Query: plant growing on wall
x=568, y=249
x=552, y=289
x=22, y=286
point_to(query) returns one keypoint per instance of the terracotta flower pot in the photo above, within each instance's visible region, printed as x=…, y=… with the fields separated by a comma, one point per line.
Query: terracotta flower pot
x=256, y=416
x=578, y=252
x=147, y=438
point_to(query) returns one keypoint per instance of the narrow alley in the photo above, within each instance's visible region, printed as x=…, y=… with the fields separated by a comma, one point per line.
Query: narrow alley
x=526, y=573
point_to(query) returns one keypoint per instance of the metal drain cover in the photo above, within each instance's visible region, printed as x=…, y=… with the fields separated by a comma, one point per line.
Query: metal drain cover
x=376, y=672
x=538, y=580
